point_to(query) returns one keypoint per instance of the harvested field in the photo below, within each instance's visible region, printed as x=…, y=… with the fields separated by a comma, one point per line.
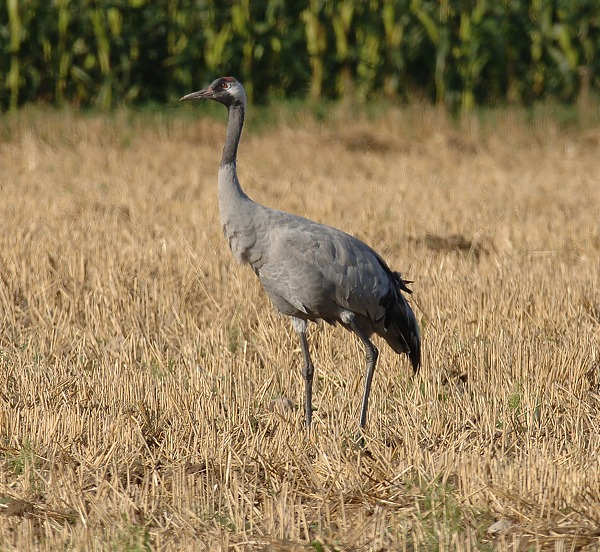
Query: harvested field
x=151, y=396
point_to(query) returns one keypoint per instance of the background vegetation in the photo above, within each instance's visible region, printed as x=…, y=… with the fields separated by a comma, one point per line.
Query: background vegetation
x=455, y=52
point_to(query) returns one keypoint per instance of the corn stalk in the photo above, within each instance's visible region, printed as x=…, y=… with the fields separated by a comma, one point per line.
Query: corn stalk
x=341, y=14
x=439, y=34
x=102, y=58
x=64, y=54
x=470, y=52
x=16, y=36
x=316, y=42
x=394, y=23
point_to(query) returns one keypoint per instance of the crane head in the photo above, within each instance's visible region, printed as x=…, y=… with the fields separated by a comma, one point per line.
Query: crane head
x=226, y=90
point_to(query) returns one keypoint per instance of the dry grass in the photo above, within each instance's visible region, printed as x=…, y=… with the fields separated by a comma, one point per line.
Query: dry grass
x=150, y=395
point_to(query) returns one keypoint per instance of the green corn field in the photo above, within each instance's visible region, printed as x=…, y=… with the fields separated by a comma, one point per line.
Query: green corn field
x=459, y=54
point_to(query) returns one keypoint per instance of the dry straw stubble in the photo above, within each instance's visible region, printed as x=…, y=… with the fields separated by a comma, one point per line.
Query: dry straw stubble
x=151, y=396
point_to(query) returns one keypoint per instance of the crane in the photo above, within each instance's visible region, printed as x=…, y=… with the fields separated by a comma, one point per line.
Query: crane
x=310, y=271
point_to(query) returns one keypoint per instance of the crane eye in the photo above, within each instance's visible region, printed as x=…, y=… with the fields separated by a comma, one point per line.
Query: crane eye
x=225, y=85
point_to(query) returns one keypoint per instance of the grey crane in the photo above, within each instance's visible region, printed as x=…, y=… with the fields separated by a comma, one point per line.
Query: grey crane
x=309, y=270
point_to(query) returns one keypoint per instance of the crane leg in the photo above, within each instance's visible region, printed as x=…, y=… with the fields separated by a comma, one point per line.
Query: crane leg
x=308, y=369
x=371, y=353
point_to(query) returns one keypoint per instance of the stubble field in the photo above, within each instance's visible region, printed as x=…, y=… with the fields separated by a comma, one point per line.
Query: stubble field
x=151, y=399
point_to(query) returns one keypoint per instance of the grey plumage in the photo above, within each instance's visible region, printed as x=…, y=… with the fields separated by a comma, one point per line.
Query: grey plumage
x=310, y=271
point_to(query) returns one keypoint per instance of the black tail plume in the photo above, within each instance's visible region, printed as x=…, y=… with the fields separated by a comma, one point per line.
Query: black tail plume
x=402, y=330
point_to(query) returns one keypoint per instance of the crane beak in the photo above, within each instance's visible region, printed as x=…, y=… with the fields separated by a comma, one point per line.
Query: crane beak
x=204, y=94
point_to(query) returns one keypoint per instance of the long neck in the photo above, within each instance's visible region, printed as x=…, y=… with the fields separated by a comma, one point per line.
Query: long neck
x=237, y=209
x=231, y=195
x=234, y=131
